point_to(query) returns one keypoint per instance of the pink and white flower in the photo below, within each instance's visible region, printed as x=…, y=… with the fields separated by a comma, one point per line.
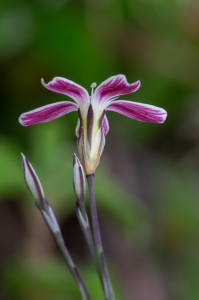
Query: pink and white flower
x=93, y=126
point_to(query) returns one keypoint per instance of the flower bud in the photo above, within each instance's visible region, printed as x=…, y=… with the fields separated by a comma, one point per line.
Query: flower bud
x=32, y=181
x=78, y=180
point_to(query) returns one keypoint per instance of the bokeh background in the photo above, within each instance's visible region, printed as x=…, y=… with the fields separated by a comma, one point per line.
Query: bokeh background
x=147, y=183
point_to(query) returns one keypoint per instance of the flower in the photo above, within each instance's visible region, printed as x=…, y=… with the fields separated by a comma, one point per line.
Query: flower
x=93, y=126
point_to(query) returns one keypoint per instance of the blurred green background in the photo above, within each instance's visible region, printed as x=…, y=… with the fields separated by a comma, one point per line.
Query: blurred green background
x=147, y=183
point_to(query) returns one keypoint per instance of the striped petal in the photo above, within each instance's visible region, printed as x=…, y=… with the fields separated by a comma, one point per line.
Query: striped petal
x=139, y=111
x=77, y=129
x=105, y=125
x=114, y=87
x=69, y=88
x=47, y=113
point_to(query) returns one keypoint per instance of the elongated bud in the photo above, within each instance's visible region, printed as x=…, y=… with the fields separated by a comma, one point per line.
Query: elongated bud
x=32, y=181
x=78, y=181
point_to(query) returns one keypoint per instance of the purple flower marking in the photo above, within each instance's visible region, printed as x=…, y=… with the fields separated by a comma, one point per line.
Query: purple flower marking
x=69, y=88
x=102, y=99
x=93, y=126
x=114, y=87
x=47, y=113
x=138, y=111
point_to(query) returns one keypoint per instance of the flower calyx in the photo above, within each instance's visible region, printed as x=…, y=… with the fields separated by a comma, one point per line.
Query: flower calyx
x=91, y=139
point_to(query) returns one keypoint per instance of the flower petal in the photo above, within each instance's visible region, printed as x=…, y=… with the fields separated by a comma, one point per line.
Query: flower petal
x=69, y=88
x=113, y=87
x=77, y=129
x=47, y=113
x=105, y=125
x=139, y=111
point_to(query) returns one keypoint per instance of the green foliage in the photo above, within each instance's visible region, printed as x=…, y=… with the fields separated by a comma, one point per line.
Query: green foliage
x=48, y=280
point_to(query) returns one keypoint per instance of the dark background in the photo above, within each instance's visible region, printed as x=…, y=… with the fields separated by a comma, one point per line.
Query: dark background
x=147, y=183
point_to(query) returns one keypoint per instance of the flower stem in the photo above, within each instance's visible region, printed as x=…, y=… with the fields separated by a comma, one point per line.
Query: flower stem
x=85, y=227
x=108, y=290
x=73, y=269
x=56, y=233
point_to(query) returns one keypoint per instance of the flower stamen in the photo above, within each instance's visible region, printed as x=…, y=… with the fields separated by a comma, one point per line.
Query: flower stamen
x=93, y=86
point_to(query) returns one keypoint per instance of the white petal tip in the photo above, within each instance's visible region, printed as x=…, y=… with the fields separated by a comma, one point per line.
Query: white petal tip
x=164, y=116
x=21, y=121
x=74, y=159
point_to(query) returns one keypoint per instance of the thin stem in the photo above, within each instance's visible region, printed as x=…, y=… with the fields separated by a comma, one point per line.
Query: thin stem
x=108, y=291
x=94, y=216
x=54, y=228
x=85, y=227
x=73, y=269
